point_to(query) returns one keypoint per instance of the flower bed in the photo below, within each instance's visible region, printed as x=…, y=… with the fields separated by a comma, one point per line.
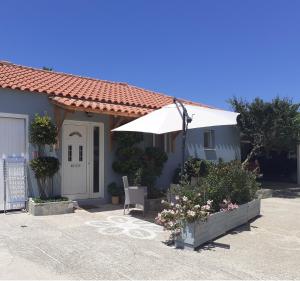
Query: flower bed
x=194, y=234
x=222, y=199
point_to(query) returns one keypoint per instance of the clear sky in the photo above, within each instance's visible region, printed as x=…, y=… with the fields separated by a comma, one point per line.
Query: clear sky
x=206, y=51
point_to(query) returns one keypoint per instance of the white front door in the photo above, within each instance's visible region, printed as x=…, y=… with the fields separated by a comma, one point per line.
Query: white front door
x=83, y=160
x=75, y=161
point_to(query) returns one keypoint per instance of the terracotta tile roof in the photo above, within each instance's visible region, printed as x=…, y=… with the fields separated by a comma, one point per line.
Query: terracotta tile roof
x=83, y=92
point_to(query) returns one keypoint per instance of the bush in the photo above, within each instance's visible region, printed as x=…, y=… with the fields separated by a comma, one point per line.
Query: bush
x=42, y=131
x=189, y=206
x=44, y=167
x=128, y=156
x=152, y=166
x=52, y=199
x=193, y=168
x=114, y=190
x=231, y=182
x=142, y=166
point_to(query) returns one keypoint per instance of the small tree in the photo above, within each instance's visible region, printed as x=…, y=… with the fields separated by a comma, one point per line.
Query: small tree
x=42, y=133
x=142, y=166
x=128, y=159
x=153, y=163
x=268, y=126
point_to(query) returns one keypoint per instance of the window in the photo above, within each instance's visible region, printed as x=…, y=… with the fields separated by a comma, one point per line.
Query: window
x=163, y=142
x=96, y=159
x=80, y=153
x=209, y=139
x=69, y=153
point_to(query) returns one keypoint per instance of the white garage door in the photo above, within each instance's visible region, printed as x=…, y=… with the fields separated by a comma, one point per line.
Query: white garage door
x=12, y=143
x=12, y=136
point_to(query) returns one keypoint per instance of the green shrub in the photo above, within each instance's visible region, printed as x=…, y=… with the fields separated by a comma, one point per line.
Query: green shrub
x=231, y=182
x=142, y=166
x=52, y=199
x=152, y=166
x=128, y=156
x=126, y=139
x=42, y=131
x=114, y=190
x=44, y=167
x=193, y=168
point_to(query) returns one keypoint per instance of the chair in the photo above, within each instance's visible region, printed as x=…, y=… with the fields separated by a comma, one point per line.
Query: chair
x=134, y=195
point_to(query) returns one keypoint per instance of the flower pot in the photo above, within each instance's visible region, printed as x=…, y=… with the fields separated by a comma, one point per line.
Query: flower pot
x=115, y=200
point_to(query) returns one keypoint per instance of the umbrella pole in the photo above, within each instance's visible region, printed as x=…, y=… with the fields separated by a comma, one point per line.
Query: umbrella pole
x=186, y=119
x=183, y=143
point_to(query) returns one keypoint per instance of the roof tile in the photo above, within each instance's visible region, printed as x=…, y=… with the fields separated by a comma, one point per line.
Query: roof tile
x=77, y=91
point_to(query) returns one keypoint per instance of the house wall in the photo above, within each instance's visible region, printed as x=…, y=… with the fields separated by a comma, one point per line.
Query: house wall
x=227, y=147
x=24, y=102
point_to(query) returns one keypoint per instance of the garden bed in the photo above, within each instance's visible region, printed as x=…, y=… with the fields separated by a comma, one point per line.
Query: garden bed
x=47, y=208
x=199, y=232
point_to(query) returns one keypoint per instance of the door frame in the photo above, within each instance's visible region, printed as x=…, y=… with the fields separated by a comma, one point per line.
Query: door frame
x=25, y=118
x=89, y=148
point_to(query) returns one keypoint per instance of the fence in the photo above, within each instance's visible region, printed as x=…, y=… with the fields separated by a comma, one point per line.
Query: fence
x=13, y=183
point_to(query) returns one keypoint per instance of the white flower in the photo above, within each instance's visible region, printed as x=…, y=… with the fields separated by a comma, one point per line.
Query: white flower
x=177, y=197
x=184, y=198
x=177, y=206
x=197, y=206
x=209, y=202
x=162, y=201
x=172, y=204
x=191, y=213
x=205, y=207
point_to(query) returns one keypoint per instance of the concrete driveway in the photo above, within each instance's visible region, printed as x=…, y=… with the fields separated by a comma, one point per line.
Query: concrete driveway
x=106, y=245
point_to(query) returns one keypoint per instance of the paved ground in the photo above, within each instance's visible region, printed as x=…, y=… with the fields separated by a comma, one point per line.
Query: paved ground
x=106, y=245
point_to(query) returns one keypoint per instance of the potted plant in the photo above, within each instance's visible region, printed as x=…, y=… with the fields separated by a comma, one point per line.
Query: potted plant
x=43, y=135
x=224, y=199
x=115, y=191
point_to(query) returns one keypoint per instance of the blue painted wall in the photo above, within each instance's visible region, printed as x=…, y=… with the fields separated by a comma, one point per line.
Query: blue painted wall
x=24, y=102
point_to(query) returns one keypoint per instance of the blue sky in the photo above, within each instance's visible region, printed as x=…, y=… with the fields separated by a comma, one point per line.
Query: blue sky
x=206, y=51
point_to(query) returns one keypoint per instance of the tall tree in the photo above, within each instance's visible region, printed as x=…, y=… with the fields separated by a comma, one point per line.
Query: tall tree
x=268, y=126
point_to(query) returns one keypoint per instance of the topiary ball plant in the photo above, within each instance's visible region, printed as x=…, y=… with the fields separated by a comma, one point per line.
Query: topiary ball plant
x=44, y=167
x=42, y=131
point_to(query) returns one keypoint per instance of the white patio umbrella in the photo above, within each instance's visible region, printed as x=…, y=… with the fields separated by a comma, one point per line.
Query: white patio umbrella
x=180, y=117
x=169, y=119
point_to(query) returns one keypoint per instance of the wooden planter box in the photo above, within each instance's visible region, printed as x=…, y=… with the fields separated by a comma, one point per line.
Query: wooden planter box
x=50, y=208
x=199, y=232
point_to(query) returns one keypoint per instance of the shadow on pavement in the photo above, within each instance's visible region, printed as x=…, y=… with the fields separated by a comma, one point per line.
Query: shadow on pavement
x=283, y=190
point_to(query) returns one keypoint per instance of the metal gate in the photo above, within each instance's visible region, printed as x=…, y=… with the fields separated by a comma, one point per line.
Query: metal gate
x=13, y=183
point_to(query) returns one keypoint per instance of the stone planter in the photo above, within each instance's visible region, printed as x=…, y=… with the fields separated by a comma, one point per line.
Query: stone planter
x=50, y=208
x=197, y=233
x=154, y=205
